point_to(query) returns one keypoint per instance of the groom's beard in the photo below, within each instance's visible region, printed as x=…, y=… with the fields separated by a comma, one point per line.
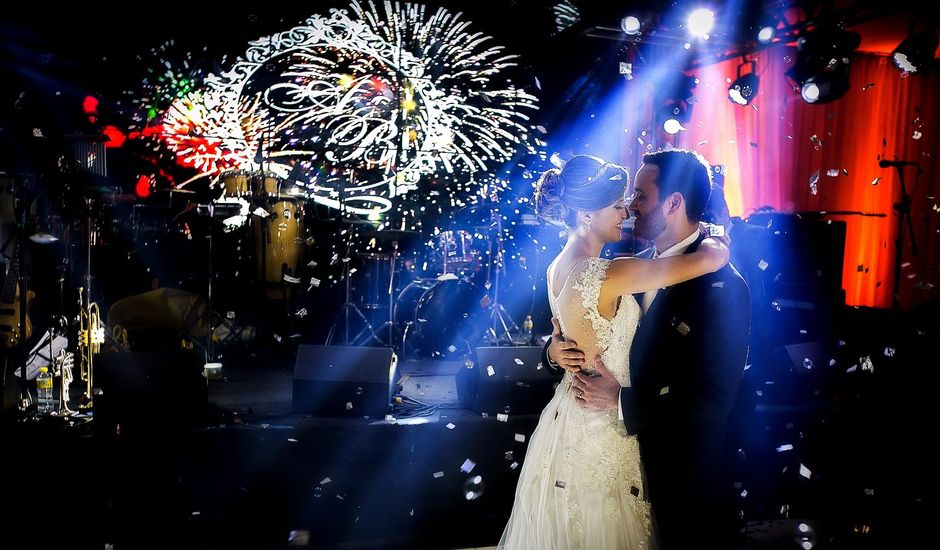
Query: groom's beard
x=650, y=226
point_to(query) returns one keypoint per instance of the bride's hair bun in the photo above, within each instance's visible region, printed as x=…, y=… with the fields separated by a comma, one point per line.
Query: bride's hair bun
x=586, y=183
x=548, y=193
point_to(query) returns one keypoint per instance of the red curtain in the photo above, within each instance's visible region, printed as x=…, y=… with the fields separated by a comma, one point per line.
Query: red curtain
x=772, y=148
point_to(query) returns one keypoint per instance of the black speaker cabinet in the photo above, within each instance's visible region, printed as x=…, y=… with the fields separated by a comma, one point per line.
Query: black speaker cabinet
x=344, y=380
x=506, y=380
x=149, y=391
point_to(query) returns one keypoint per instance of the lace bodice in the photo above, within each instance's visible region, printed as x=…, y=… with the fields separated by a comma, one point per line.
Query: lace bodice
x=576, y=308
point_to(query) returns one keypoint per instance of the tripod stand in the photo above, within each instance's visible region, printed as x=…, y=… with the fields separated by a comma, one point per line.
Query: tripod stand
x=348, y=307
x=500, y=327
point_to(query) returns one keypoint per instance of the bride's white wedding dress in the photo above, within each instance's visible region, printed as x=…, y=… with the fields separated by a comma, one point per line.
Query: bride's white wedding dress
x=581, y=484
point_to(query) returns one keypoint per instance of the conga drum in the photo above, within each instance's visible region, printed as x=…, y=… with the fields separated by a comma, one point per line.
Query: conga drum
x=279, y=245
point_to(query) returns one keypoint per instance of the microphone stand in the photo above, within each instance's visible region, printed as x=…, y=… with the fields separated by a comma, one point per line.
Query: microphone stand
x=903, y=208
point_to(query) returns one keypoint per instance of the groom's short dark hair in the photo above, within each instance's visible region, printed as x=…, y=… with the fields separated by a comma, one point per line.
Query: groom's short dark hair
x=685, y=172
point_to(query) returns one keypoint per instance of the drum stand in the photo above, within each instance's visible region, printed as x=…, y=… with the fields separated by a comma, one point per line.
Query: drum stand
x=345, y=310
x=393, y=259
x=501, y=326
x=348, y=306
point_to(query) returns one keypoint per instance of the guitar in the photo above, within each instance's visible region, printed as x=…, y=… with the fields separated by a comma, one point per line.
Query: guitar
x=10, y=305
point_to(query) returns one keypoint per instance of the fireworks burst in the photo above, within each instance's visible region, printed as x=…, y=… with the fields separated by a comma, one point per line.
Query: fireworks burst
x=360, y=107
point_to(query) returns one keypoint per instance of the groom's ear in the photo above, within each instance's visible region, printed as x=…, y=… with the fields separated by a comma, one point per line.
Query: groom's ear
x=674, y=203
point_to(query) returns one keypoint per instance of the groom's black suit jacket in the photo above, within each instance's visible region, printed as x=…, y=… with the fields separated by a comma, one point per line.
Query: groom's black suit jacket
x=686, y=365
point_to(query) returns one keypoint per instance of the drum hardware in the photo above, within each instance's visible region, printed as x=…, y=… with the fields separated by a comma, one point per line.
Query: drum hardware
x=213, y=212
x=455, y=248
x=501, y=327
x=349, y=307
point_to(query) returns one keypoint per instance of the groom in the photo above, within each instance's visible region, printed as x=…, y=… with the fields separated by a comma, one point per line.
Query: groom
x=686, y=362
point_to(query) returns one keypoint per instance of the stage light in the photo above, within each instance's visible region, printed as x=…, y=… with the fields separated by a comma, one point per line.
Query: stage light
x=672, y=126
x=821, y=70
x=765, y=34
x=701, y=22
x=630, y=25
x=744, y=88
x=674, y=101
x=766, y=28
x=810, y=92
x=915, y=53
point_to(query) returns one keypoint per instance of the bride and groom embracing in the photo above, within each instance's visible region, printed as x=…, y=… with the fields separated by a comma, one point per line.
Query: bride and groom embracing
x=630, y=451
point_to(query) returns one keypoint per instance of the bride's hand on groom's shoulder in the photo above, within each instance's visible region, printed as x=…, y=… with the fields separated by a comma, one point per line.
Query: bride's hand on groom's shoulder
x=564, y=352
x=716, y=232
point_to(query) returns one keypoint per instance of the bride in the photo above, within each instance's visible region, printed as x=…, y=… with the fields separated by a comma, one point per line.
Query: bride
x=581, y=484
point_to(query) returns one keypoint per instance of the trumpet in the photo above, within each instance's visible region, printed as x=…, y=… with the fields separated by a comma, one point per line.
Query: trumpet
x=90, y=338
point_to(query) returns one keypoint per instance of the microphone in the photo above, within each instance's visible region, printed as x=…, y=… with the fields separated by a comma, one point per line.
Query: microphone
x=885, y=163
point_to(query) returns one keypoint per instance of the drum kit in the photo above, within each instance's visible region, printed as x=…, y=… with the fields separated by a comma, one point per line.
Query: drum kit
x=425, y=298
x=439, y=300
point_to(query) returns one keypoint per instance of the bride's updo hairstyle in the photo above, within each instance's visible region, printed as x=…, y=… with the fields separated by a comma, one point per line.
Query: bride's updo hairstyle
x=586, y=183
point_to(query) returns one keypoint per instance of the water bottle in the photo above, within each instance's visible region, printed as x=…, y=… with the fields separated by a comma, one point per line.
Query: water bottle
x=44, y=386
x=527, y=327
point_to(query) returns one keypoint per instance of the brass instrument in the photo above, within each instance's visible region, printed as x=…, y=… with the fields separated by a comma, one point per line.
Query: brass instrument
x=90, y=338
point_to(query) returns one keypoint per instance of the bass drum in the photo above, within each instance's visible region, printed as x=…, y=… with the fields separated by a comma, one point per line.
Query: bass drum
x=441, y=317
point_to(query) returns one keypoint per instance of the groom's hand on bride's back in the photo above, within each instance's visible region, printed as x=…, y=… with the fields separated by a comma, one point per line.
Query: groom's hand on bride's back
x=564, y=352
x=598, y=389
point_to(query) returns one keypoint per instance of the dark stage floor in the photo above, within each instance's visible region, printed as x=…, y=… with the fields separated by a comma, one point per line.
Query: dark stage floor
x=846, y=469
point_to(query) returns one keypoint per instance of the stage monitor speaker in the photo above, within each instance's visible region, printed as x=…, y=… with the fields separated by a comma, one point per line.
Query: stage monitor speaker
x=506, y=380
x=149, y=391
x=344, y=380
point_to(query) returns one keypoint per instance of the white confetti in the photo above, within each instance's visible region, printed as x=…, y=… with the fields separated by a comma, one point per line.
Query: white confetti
x=519, y=361
x=664, y=390
x=292, y=440
x=832, y=172
x=438, y=475
x=785, y=447
x=490, y=371
x=450, y=426
x=520, y=438
x=805, y=472
x=349, y=405
x=325, y=480
x=502, y=417
x=467, y=466
x=763, y=265
x=889, y=352
x=867, y=364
